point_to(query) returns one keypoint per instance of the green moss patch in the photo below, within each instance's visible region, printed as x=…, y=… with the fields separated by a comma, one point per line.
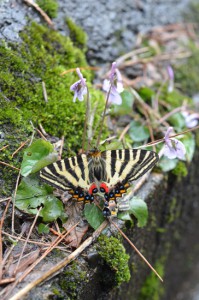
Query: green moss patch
x=153, y=288
x=39, y=59
x=72, y=280
x=49, y=6
x=77, y=35
x=42, y=57
x=187, y=74
x=114, y=254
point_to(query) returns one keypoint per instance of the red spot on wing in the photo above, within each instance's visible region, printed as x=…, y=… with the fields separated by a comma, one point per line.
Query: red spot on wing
x=92, y=187
x=104, y=186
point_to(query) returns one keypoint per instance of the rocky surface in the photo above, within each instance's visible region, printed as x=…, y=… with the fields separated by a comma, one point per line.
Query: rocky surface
x=112, y=26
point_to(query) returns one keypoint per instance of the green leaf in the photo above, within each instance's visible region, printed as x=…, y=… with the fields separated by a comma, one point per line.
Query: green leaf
x=114, y=145
x=139, y=209
x=138, y=132
x=124, y=215
x=146, y=94
x=127, y=104
x=30, y=195
x=43, y=228
x=177, y=121
x=93, y=215
x=52, y=209
x=38, y=155
x=175, y=98
x=167, y=164
x=189, y=142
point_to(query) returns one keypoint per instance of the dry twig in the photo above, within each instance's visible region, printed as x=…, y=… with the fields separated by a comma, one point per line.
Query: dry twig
x=1, y=226
x=21, y=146
x=61, y=148
x=44, y=92
x=8, y=165
x=13, y=202
x=4, y=147
x=42, y=13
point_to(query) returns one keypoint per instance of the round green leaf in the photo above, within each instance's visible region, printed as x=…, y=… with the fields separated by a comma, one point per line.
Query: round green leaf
x=38, y=155
x=30, y=195
x=146, y=93
x=93, y=215
x=52, y=209
x=167, y=164
x=177, y=121
x=139, y=209
x=43, y=228
x=189, y=142
x=124, y=215
x=115, y=145
x=127, y=104
x=138, y=132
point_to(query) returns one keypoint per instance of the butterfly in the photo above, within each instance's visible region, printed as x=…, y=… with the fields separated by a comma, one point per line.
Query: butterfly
x=109, y=173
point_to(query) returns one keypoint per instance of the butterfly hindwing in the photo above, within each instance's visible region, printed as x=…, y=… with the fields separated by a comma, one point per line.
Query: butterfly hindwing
x=126, y=165
x=68, y=173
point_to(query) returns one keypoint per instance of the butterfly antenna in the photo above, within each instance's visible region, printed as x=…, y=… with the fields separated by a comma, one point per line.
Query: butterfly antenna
x=135, y=248
x=88, y=108
x=103, y=116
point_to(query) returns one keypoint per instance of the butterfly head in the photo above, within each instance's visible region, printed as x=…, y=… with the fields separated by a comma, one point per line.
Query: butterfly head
x=94, y=153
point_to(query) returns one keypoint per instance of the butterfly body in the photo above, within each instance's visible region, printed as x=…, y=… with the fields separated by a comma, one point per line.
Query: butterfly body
x=107, y=172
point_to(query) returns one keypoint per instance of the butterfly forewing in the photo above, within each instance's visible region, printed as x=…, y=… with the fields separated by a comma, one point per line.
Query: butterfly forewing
x=127, y=164
x=68, y=173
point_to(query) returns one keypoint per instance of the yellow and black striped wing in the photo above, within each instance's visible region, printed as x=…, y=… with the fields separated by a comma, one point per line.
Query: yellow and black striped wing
x=128, y=164
x=68, y=173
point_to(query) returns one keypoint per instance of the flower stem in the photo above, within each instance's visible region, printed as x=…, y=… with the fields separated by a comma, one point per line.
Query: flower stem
x=88, y=108
x=103, y=117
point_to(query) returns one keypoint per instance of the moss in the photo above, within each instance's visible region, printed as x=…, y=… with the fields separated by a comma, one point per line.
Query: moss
x=180, y=170
x=49, y=6
x=12, y=137
x=174, y=211
x=77, y=35
x=56, y=292
x=41, y=57
x=153, y=221
x=153, y=288
x=134, y=268
x=192, y=12
x=71, y=280
x=113, y=252
x=21, y=76
x=186, y=75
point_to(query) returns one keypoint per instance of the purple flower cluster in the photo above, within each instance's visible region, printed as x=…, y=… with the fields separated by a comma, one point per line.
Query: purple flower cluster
x=113, y=86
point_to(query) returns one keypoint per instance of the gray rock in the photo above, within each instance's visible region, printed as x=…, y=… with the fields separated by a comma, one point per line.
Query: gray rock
x=111, y=25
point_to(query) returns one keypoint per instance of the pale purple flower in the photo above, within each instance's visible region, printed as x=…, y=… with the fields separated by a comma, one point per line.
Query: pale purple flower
x=115, y=84
x=191, y=120
x=171, y=79
x=173, y=148
x=79, y=87
x=114, y=96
